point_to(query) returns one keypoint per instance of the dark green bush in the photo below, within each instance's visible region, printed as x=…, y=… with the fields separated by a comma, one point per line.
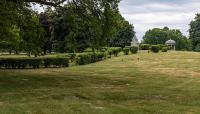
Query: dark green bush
x=145, y=46
x=164, y=49
x=84, y=59
x=114, y=51
x=72, y=57
x=155, y=48
x=126, y=51
x=161, y=46
x=134, y=50
x=197, y=48
x=55, y=62
x=100, y=56
x=22, y=63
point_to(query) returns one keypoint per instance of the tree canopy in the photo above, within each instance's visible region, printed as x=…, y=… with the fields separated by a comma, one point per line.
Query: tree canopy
x=195, y=32
x=71, y=27
x=160, y=36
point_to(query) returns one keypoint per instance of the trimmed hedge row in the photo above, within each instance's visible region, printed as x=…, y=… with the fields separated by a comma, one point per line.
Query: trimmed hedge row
x=157, y=48
x=129, y=49
x=84, y=59
x=55, y=62
x=154, y=48
x=63, y=60
x=148, y=46
x=23, y=63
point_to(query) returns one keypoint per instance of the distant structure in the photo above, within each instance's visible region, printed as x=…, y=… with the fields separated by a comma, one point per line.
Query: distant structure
x=135, y=42
x=171, y=44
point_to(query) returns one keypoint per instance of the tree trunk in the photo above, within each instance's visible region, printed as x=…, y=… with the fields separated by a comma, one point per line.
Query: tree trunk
x=44, y=50
x=10, y=52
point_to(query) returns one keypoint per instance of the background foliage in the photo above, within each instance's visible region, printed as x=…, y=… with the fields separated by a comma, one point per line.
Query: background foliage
x=160, y=36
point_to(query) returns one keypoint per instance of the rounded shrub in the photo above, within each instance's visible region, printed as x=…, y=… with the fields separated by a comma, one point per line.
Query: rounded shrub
x=145, y=46
x=164, y=49
x=114, y=51
x=155, y=48
x=126, y=51
x=134, y=50
x=100, y=56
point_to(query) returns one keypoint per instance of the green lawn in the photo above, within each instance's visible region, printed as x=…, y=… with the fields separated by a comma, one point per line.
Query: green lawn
x=157, y=83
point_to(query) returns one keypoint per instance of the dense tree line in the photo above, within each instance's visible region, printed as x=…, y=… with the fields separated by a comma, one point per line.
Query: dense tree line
x=160, y=36
x=195, y=33
x=20, y=29
x=68, y=28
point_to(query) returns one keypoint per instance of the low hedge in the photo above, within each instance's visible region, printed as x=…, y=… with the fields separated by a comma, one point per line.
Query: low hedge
x=23, y=63
x=134, y=50
x=164, y=49
x=145, y=46
x=126, y=51
x=161, y=46
x=114, y=51
x=155, y=48
x=55, y=62
x=84, y=59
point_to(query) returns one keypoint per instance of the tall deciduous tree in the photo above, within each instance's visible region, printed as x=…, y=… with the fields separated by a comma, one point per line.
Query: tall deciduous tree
x=11, y=12
x=125, y=33
x=45, y=20
x=31, y=34
x=85, y=23
x=195, y=32
x=17, y=16
x=100, y=17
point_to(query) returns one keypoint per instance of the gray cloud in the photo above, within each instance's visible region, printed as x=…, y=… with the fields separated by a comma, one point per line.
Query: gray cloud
x=148, y=14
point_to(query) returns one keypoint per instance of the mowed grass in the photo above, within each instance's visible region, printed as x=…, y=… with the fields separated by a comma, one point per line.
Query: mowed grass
x=164, y=83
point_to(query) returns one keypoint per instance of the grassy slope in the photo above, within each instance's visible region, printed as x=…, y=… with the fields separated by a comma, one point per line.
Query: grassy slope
x=158, y=83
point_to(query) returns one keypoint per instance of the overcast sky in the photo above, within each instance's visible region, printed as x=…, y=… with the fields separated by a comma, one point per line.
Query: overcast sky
x=148, y=14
